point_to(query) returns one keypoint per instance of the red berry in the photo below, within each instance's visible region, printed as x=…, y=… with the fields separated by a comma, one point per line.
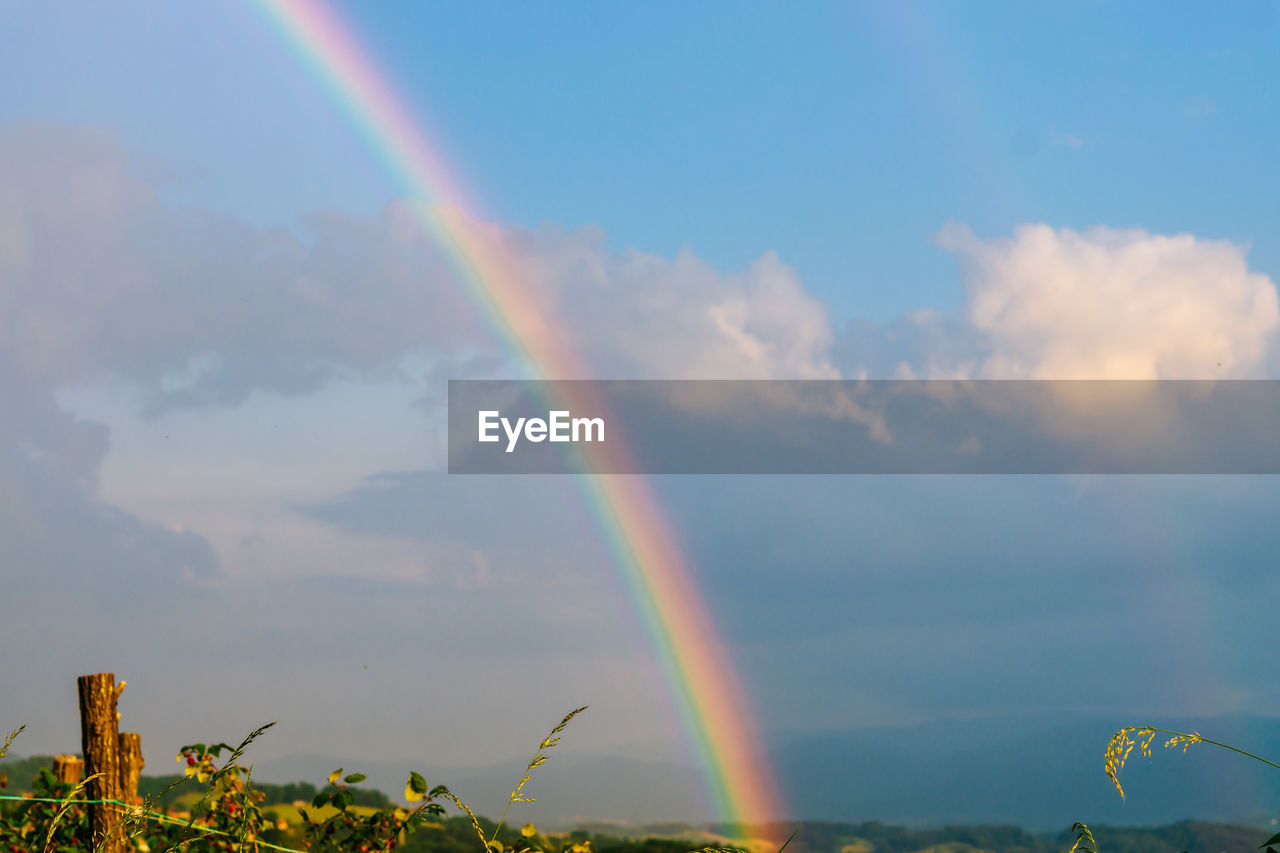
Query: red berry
x=191, y=760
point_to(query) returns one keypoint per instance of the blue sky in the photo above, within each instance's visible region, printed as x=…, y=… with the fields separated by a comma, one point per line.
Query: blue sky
x=223, y=348
x=841, y=136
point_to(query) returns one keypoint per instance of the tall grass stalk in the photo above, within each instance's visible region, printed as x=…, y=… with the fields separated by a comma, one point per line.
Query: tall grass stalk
x=72, y=797
x=1121, y=744
x=1084, y=839
x=217, y=777
x=10, y=738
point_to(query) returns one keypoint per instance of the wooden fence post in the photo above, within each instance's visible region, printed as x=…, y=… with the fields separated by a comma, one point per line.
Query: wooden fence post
x=67, y=768
x=100, y=741
x=131, y=765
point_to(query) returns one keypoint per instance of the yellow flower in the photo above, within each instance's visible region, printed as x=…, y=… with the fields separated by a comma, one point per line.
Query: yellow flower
x=1119, y=747
x=1184, y=741
x=1121, y=744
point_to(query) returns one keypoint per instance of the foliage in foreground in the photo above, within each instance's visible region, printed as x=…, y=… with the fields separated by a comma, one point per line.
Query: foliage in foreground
x=232, y=814
x=229, y=814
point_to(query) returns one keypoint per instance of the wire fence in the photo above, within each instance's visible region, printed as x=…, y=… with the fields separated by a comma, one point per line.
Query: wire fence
x=158, y=817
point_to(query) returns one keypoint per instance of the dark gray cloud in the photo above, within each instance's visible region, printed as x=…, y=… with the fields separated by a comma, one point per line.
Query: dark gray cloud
x=53, y=526
x=972, y=595
x=917, y=597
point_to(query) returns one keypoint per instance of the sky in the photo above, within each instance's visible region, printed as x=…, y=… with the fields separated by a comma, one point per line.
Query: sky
x=225, y=338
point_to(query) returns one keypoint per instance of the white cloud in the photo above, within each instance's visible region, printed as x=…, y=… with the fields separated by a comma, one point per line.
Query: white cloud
x=1113, y=304
x=632, y=314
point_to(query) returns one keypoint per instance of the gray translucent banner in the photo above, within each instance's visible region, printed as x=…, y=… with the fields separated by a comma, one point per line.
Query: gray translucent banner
x=864, y=427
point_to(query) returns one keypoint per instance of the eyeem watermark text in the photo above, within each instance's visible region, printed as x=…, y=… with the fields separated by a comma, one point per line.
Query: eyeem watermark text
x=864, y=427
x=558, y=426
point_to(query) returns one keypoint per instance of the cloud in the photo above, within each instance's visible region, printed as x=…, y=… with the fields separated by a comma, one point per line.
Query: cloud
x=104, y=280
x=1113, y=304
x=656, y=318
x=631, y=314
x=920, y=344
x=61, y=548
x=541, y=532
x=103, y=283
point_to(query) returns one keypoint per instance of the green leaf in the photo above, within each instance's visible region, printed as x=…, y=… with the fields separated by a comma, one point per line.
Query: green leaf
x=353, y=778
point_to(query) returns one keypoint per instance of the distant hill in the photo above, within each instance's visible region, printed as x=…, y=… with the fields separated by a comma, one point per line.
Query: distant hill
x=876, y=837
x=20, y=771
x=20, y=774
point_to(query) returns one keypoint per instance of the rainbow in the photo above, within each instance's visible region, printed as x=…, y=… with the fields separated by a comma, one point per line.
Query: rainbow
x=704, y=685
